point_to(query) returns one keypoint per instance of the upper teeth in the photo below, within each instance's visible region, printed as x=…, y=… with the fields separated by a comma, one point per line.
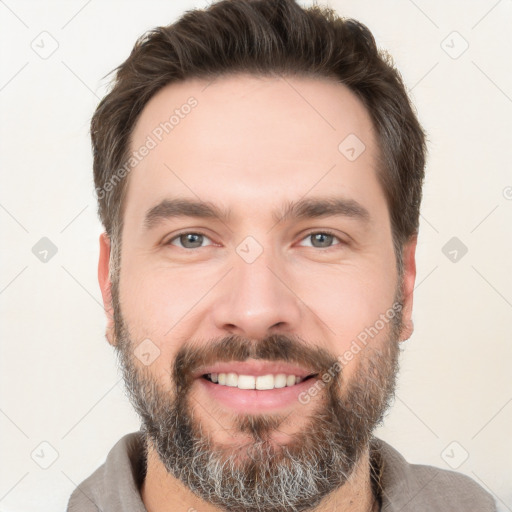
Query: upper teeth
x=261, y=382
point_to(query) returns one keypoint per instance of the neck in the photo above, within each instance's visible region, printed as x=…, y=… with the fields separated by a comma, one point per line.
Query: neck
x=161, y=492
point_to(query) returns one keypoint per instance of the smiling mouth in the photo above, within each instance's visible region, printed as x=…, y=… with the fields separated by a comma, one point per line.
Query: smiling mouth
x=260, y=382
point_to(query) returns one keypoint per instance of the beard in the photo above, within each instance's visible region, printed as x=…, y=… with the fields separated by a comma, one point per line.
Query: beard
x=258, y=474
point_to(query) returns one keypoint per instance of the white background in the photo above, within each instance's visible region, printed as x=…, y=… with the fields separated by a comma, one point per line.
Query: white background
x=59, y=382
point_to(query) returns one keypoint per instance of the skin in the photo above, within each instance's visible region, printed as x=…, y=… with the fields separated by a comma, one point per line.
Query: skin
x=251, y=145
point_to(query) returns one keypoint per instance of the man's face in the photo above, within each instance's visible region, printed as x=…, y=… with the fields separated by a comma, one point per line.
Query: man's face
x=248, y=291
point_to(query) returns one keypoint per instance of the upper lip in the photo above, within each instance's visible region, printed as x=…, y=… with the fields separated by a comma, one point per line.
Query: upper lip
x=255, y=368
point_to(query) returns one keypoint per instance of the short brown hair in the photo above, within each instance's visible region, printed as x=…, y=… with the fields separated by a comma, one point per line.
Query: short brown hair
x=263, y=37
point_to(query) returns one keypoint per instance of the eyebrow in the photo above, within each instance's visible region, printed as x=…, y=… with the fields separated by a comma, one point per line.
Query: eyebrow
x=293, y=210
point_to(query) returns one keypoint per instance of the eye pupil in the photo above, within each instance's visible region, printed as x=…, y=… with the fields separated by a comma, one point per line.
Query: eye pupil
x=323, y=238
x=194, y=239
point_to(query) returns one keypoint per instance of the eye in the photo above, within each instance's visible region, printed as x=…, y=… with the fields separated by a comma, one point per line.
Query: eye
x=195, y=240
x=322, y=239
x=188, y=240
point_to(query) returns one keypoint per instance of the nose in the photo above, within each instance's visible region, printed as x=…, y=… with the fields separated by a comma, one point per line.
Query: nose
x=257, y=300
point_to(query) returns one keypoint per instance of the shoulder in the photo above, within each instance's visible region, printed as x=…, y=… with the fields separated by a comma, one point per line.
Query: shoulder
x=115, y=484
x=417, y=487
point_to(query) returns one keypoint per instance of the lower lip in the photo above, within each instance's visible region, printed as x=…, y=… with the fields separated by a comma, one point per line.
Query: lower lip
x=254, y=400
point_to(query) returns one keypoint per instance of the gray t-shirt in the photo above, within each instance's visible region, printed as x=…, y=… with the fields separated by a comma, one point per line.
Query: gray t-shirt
x=115, y=486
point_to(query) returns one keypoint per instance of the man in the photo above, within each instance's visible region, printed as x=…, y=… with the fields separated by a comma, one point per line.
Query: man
x=259, y=171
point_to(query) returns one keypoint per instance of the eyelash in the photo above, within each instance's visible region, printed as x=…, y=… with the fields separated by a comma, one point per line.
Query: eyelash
x=323, y=232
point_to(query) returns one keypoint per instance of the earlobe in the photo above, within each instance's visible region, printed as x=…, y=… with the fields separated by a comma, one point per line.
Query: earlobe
x=409, y=278
x=105, y=285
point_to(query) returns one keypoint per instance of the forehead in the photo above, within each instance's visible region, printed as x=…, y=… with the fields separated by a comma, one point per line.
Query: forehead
x=250, y=139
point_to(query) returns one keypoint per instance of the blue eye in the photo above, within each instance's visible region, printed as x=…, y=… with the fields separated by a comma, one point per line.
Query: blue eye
x=189, y=240
x=322, y=239
x=195, y=240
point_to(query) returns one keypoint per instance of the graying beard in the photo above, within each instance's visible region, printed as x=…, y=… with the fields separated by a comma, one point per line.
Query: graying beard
x=273, y=481
x=294, y=486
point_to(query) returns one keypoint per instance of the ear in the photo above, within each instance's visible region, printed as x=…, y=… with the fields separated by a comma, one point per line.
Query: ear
x=409, y=278
x=105, y=285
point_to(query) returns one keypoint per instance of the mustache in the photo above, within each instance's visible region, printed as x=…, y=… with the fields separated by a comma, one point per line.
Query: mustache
x=276, y=347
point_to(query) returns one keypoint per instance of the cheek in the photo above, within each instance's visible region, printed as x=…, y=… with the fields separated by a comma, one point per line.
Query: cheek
x=147, y=305
x=348, y=300
x=161, y=303
x=351, y=304
x=158, y=298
